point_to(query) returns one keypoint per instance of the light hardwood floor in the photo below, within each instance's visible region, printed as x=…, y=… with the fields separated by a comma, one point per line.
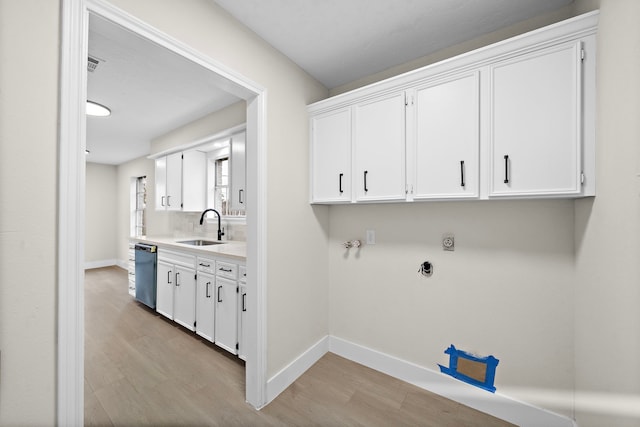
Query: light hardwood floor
x=141, y=369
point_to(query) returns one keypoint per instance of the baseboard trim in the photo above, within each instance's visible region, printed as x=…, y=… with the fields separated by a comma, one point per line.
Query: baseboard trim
x=88, y=265
x=283, y=379
x=500, y=406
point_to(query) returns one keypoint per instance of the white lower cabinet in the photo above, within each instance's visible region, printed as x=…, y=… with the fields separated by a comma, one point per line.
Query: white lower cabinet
x=242, y=322
x=184, y=301
x=131, y=269
x=164, y=289
x=226, y=315
x=205, y=295
x=205, y=305
x=176, y=286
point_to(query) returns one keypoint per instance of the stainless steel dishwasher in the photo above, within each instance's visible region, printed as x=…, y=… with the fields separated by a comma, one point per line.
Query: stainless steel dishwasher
x=146, y=271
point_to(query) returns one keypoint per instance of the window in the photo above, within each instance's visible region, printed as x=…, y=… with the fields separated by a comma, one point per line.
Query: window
x=222, y=185
x=138, y=202
x=218, y=178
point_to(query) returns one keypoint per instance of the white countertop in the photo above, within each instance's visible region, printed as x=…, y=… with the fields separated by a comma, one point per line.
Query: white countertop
x=230, y=248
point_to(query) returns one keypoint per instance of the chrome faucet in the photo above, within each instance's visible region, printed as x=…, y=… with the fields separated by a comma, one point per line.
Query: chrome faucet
x=220, y=232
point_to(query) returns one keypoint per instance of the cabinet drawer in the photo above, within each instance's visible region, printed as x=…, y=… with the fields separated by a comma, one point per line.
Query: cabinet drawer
x=228, y=270
x=242, y=274
x=177, y=258
x=206, y=265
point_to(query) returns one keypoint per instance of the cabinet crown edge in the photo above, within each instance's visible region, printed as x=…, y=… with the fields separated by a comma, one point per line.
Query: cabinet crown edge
x=569, y=29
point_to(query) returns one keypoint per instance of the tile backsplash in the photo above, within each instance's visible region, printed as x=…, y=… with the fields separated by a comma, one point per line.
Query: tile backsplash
x=188, y=224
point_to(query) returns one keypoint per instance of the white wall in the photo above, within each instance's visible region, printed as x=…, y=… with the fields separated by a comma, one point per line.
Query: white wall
x=297, y=241
x=28, y=162
x=478, y=42
x=560, y=280
x=607, y=235
x=227, y=118
x=100, y=212
x=506, y=290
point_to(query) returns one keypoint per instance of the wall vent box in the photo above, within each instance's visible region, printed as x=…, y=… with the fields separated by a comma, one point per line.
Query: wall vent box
x=478, y=371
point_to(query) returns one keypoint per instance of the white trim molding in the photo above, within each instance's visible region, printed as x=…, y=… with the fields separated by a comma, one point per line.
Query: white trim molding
x=71, y=203
x=496, y=404
x=287, y=375
x=88, y=265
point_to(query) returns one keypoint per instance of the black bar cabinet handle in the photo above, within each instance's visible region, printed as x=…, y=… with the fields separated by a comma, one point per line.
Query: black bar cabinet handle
x=219, y=289
x=244, y=302
x=506, y=169
x=169, y=277
x=365, y=181
x=240, y=192
x=207, y=294
x=462, y=173
x=340, y=183
x=177, y=277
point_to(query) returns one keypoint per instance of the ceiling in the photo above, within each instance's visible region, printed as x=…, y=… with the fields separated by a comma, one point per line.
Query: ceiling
x=339, y=41
x=149, y=89
x=152, y=91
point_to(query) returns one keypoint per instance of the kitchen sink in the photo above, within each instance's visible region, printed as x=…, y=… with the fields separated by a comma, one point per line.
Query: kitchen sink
x=201, y=242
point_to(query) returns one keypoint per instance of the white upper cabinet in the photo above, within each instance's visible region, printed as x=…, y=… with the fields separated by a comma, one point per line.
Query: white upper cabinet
x=180, y=181
x=331, y=157
x=511, y=120
x=446, y=135
x=173, y=200
x=194, y=181
x=161, y=184
x=535, y=123
x=238, y=195
x=379, y=148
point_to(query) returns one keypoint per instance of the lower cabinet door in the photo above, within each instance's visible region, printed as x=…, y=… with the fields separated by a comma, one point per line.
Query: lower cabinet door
x=226, y=315
x=242, y=322
x=184, y=304
x=165, y=284
x=205, y=306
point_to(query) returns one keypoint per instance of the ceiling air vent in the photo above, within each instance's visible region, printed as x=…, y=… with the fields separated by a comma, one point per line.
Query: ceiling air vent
x=92, y=64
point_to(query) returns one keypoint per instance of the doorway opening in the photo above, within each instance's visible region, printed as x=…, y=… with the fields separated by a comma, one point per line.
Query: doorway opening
x=72, y=137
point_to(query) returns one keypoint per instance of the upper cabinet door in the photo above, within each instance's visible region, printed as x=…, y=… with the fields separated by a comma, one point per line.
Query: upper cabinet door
x=379, y=148
x=174, y=182
x=161, y=184
x=238, y=194
x=194, y=184
x=535, y=123
x=331, y=157
x=447, y=138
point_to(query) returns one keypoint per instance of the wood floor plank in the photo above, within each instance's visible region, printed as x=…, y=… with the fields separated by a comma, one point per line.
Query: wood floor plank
x=142, y=369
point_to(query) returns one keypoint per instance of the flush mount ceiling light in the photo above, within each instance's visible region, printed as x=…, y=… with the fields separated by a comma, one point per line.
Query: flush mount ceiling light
x=95, y=109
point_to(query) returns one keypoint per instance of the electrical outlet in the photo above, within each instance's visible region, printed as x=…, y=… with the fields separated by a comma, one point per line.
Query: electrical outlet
x=448, y=242
x=371, y=237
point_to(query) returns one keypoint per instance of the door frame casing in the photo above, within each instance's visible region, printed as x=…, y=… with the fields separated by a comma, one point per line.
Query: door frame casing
x=71, y=200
